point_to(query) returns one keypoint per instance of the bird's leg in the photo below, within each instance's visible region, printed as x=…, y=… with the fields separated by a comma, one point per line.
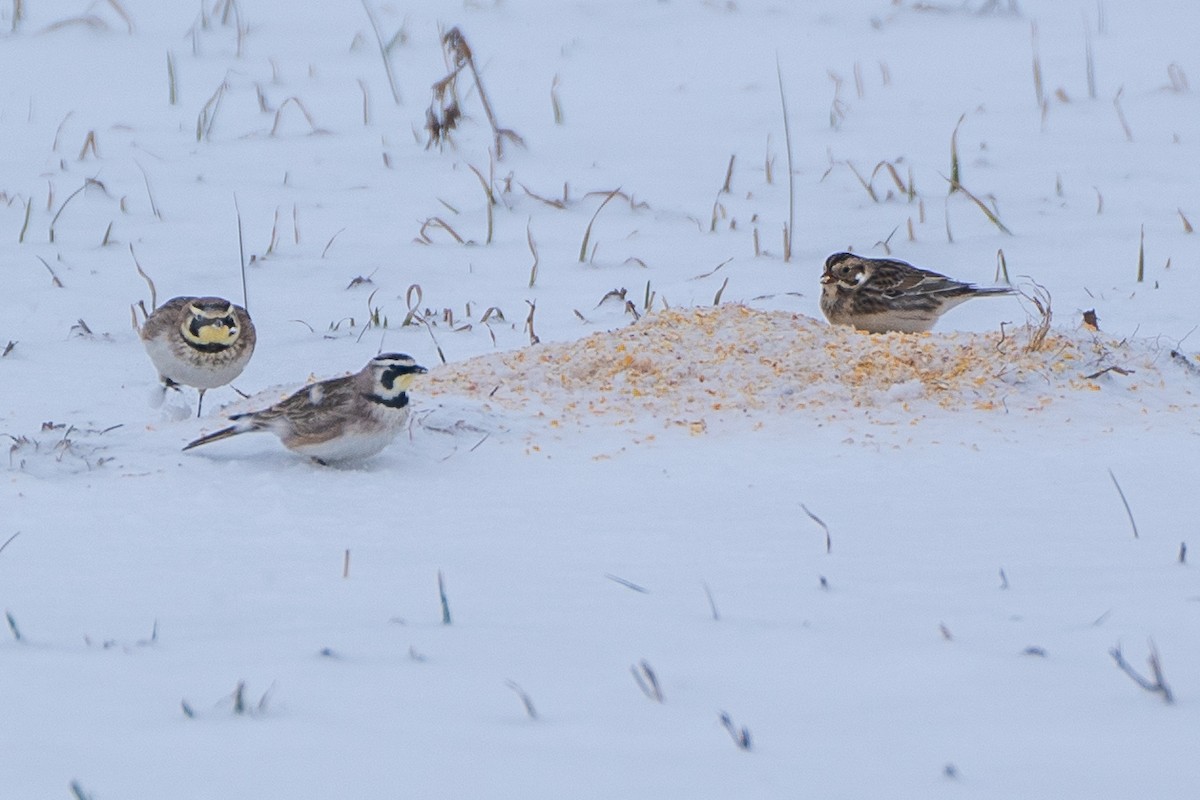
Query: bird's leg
x=165, y=383
x=319, y=461
x=200, y=405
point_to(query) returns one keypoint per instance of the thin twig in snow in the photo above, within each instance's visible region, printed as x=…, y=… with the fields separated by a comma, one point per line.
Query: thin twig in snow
x=647, y=681
x=1156, y=686
x=525, y=699
x=1124, y=502
x=741, y=737
x=824, y=527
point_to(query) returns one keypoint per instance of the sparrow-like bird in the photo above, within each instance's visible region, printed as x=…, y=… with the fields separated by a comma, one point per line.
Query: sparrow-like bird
x=203, y=342
x=878, y=295
x=341, y=419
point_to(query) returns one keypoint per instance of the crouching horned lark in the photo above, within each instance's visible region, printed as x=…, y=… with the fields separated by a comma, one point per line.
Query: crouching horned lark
x=202, y=342
x=340, y=419
x=878, y=295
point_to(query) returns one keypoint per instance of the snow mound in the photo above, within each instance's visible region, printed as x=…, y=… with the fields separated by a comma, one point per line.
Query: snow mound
x=688, y=363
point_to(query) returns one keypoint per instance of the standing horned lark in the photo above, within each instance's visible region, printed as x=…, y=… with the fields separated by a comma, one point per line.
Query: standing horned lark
x=878, y=295
x=203, y=342
x=341, y=419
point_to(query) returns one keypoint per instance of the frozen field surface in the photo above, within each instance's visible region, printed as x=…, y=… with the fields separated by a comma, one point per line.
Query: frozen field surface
x=655, y=530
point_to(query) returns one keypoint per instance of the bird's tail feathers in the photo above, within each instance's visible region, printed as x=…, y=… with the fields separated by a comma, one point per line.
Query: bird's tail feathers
x=993, y=290
x=216, y=436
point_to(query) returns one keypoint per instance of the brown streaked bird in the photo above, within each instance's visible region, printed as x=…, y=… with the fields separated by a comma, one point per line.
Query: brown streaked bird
x=203, y=342
x=341, y=419
x=878, y=295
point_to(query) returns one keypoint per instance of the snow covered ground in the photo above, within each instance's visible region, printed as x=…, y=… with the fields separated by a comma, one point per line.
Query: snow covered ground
x=899, y=565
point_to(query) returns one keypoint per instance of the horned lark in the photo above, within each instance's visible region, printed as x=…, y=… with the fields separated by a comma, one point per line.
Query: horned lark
x=877, y=295
x=341, y=419
x=202, y=342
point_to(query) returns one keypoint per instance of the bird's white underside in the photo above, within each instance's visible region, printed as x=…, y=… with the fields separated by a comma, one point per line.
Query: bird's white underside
x=171, y=366
x=351, y=447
